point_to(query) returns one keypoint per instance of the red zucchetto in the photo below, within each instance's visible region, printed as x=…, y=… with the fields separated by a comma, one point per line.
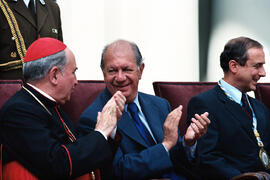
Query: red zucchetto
x=43, y=47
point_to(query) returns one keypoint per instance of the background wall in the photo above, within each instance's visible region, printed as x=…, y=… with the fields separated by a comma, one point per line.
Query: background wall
x=165, y=31
x=231, y=19
x=180, y=40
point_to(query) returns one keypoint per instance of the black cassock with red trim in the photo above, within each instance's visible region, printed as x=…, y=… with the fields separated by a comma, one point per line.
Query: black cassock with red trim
x=39, y=140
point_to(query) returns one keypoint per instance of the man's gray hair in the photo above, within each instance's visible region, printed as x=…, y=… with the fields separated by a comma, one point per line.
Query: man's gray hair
x=136, y=50
x=38, y=69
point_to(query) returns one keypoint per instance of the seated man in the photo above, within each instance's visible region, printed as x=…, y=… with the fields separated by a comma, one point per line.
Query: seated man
x=37, y=134
x=150, y=146
x=238, y=138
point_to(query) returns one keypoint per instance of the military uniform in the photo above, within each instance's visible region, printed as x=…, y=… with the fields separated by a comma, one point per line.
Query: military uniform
x=46, y=24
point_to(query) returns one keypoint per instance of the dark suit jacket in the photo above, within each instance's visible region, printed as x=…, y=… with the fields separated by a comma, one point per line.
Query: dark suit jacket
x=48, y=25
x=229, y=147
x=134, y=159
x=40, y=143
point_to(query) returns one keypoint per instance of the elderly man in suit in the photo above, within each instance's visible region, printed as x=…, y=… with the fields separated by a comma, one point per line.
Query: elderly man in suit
x=21, y=23
x=150, y=146
x=238, y=138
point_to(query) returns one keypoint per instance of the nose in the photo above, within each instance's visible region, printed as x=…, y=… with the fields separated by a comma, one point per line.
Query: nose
x=76, y=81
x=120, y=76
x=262, y=72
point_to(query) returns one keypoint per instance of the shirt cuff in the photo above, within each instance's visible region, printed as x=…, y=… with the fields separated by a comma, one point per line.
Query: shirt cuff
x=113, y=133
x=102, y=134
x=166, y=150
x=190, y=150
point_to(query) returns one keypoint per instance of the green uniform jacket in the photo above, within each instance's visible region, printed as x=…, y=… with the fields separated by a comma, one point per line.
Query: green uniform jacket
x=48, y=24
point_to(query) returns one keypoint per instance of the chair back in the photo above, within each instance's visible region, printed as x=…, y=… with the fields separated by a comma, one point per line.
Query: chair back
x=262, y=93
x=179, y=93
x=7, y=89
x=83, y=95
x=260, y=175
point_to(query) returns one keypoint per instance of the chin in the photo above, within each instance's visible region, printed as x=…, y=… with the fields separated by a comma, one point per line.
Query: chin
x=253, y=88
x=62, y=102
x=66, y=100
x=125, y=93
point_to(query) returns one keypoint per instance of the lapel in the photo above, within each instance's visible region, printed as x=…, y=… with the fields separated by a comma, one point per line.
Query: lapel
x=236, y=112
x=42, y=14
x=21, y=9
x=125, y=125
x=152, y=115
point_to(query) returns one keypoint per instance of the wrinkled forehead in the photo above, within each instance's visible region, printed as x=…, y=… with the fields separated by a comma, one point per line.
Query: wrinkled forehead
x=120, y=48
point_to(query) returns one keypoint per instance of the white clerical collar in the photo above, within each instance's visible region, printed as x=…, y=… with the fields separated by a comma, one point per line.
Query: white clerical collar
x=42, y=92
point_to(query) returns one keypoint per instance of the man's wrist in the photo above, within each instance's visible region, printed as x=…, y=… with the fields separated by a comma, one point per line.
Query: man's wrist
x=166, y=145
x=113, y=133
x=188, y=142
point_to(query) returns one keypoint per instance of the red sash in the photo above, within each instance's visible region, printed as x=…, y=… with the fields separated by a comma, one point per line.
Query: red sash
x=15, y=171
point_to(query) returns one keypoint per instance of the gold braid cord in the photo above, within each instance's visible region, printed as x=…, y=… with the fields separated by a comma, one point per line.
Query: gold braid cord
x=16, y=33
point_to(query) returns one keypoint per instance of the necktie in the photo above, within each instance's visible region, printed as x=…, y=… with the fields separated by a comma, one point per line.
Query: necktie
x=245, y=105
x=31, y=8
x=132, y=107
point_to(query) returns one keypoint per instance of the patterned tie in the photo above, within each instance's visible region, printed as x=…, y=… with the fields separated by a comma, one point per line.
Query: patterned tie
x=245, y=105
x=133, y=109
